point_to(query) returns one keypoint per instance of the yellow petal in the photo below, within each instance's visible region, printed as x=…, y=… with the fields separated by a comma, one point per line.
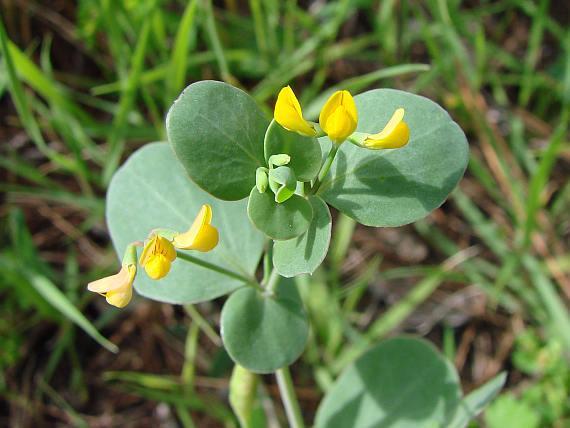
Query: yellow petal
x=157, y=245
x=339, y=124
x=165, y=248
x=201, y=236
x=339, y=116
x=157, y=256
x=289, y=115
x=148, y=250
x=395, y=134
x=110, y=283
x=157, y=266
x=117, y=289
x=119, y=298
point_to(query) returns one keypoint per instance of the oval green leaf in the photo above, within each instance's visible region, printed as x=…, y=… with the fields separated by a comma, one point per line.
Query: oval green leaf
x=279, y=221
x=305, y=152
x=397, y=187
x=400, y=383
x=217, y=132
x=264, y=333
x=305, y=253
x=151, y=190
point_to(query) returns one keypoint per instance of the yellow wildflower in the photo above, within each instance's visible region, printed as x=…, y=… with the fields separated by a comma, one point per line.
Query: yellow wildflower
x=157, y=256
x=118, y=288
x=395, y=134
x=289, y=115
x=339, y=117
x=201, y=236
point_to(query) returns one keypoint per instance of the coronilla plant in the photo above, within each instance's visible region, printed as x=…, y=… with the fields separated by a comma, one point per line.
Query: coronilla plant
x=261, y=192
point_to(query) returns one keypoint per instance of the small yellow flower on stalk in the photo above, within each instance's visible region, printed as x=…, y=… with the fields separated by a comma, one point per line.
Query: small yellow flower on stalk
x=395, y=134
x=118, y=289
x=201, y=236
x=157, y=256
x=289, y=115
x=339, y=117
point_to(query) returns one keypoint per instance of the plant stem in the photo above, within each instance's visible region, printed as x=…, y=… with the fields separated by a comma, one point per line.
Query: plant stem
x=289, y=398
x=272, y=282
x=216, y=268
x=325, y=168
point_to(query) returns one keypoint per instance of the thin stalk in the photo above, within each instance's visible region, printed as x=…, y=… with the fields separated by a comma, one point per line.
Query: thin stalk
x=289, y=398
x=216, y=268
x=272, y=282
x=325, y=168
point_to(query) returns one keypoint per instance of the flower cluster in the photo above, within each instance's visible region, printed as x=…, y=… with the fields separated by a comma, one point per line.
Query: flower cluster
x=338, y=120
x=159, y=251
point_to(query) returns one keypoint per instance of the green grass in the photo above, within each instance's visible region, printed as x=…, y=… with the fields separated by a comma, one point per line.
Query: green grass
x=501, y=68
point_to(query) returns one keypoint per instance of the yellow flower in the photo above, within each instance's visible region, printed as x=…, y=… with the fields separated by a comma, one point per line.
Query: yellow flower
x=289, y=115
x=201, y=236
x=395, y=134
x=339, y=117
x=157, y=256
x=118, y=288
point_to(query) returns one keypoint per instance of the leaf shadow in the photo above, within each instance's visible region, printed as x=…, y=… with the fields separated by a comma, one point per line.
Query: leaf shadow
x=369, y=172
x=397, y=399
x=318, y=222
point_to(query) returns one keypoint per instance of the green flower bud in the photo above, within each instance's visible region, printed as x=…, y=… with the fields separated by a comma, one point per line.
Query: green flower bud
x=261, y=180
x=279, y=160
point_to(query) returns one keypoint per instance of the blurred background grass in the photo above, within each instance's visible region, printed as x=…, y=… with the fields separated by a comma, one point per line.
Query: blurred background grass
x=486, y=277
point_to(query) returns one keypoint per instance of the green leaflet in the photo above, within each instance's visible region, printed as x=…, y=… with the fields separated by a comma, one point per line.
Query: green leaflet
x=305, y=253
x=217, y=132
x=264, y=333
x=151, y=190
x=399, y=186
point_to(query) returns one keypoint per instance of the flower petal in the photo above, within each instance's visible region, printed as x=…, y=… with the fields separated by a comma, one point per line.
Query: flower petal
x=340, y=124
x=289, y=115
x=201, y=236
x=339, y=116
x=113, y=282
x=119, y=298
x=395, y=134
x=148, y=250
x=157, y=266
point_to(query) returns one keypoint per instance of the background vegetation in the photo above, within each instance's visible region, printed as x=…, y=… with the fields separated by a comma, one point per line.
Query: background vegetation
x=486, y=277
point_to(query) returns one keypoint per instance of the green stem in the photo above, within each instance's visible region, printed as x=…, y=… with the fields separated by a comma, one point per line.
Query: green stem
x=216, y=268
x=272, y=282
x=325, y=168
x=289, y=398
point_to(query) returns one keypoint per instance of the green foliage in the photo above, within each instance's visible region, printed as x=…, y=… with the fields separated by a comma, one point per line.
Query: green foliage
x=477, y=400
x=279, y=221
x=263, y=331
x=397, y=187
x=305, y=253
x=401, y=382
x=508, y=411
x=305, y=152
x=243, y=393
x=140, y=55
x=217, y=133
x=546, y=397
x=153, y=191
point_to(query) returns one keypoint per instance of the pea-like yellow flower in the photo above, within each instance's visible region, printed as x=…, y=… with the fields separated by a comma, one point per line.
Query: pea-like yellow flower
x=339, y=117
x=289, y=115
x=201, y=236
x=395, y=134
x=157, y=256
x=118, y=288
